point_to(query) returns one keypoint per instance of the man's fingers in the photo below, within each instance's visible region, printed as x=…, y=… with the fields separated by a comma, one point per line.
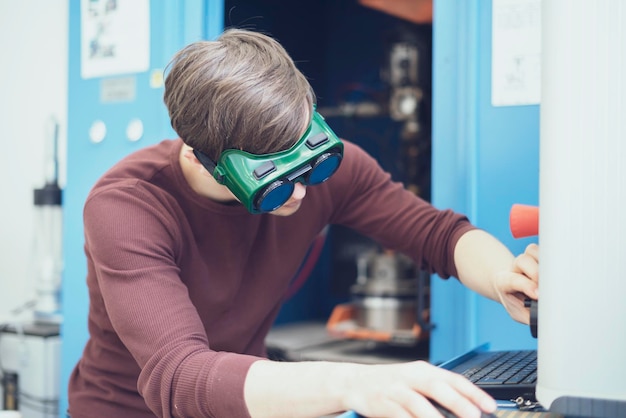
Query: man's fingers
x=533, y=251
x=457, y=394
x=527, y=265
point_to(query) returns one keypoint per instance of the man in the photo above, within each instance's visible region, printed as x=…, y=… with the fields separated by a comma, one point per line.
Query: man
x=191, y=245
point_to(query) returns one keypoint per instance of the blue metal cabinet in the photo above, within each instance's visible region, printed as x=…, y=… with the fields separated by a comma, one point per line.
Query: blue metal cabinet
x=92, y=105
x=485, y=159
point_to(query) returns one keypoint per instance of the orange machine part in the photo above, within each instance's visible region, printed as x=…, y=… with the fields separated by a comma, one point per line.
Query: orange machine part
x=341, y=324
x=524, y=220
x=416, y=11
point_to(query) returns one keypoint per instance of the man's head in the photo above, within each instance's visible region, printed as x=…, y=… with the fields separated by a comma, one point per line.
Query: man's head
x=241, y=91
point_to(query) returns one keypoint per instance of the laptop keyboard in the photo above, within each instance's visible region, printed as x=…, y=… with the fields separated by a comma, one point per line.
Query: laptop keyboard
x=505, y=368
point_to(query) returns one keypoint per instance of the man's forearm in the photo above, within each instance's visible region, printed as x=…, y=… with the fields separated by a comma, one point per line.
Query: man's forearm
x=294, y=389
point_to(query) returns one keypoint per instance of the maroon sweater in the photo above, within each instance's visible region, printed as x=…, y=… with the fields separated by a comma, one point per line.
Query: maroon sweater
x=183, y=290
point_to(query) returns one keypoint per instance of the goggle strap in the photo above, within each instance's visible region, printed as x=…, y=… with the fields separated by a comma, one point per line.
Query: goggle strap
x=205, y=160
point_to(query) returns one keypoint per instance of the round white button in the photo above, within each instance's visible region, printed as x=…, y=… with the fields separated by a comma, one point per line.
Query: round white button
x=97, y=132
x=134, y=130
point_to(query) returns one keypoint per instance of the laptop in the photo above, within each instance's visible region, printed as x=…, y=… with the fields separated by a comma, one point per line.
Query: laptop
x=505, y=375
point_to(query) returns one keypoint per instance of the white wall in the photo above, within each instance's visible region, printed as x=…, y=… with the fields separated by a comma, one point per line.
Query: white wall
x=33, y=89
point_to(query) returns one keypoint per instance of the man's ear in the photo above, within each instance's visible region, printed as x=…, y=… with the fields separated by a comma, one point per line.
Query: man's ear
x=191, y=157
x=195, y=163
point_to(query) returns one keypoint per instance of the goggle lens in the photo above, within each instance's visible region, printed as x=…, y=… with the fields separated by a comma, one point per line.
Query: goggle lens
x=275, y=195
x=324, y=167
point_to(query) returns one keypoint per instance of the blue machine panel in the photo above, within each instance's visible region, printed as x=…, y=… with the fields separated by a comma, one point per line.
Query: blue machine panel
x=485, y=159
x=115, y=102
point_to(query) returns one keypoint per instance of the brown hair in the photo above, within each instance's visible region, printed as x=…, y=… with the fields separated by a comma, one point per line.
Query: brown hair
x=240, y=91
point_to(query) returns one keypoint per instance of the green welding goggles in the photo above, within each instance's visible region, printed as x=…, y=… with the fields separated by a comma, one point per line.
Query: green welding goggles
x=263, y=183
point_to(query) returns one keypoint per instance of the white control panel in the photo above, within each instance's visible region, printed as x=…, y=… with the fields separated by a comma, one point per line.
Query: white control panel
x=30, y=357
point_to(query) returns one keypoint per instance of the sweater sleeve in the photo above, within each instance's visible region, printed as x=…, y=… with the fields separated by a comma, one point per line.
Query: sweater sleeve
x=369, y=201
x=132, y=239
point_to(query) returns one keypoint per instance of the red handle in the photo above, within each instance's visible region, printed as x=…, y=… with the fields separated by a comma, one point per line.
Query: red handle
x=524, y=220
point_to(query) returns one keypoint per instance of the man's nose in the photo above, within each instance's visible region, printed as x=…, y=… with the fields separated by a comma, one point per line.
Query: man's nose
x=299, y=191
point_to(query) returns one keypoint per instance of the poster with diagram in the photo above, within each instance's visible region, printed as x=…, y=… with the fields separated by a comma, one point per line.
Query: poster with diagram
x=516, y=52
x=115, y=37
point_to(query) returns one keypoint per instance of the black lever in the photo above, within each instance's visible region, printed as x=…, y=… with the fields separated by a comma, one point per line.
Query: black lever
x=534, y=315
